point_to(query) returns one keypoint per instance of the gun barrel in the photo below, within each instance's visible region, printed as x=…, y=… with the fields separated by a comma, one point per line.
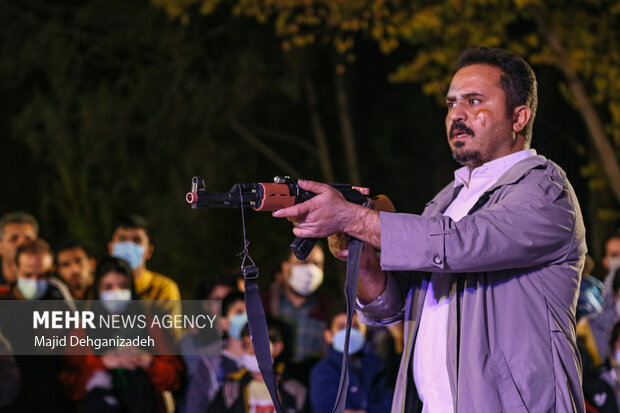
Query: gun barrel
x=203, y=199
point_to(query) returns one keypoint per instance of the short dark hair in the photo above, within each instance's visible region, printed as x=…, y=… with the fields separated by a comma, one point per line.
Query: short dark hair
x=518, y=80
x=113, y=264
x=208, y=283
x=18, y=217
x=275, y=329
x=230, y=299
x=339, y=307
x=36, y=247
x=132, y=221
x=73, y=243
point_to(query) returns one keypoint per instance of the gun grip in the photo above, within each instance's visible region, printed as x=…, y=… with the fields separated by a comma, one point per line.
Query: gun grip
x=302, y=247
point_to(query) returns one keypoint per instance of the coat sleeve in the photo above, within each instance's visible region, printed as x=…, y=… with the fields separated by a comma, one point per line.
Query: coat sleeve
x=533, y=223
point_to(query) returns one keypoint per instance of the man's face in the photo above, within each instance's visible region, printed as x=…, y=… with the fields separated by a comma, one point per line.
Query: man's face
x=316, y=257
x=612, y=254
x=340, y=323
x=477, y=124
x=76, y=268
x=15, y=234
x=35, y=266
x=135, y=235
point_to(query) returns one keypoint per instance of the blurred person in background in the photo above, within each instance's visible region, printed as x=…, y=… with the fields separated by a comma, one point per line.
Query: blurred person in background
x=594, y=330
x=9, y=373
x=76, y=266
x=123, y=380
x=15, y=229
x=245, y=390
x=40, y=387
x=368, y=391
x=131, y=242
x=295, y=298
x=212, y=369
x=211, y=290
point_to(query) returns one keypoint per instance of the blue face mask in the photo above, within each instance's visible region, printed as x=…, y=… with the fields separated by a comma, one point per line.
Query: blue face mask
x=237, y=322
x=130, y=252
x=115, y=301
x=356, y=341
x=32, y=289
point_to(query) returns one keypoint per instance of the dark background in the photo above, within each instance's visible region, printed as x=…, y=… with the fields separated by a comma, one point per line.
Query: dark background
x=109, y=107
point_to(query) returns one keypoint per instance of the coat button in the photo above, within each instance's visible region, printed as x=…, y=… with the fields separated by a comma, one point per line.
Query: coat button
x=437, y=259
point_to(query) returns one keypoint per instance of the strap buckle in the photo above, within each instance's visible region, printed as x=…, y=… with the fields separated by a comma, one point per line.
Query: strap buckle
x=250, y=272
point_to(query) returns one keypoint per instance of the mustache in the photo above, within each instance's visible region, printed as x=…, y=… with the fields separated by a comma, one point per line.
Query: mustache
x=460, y=126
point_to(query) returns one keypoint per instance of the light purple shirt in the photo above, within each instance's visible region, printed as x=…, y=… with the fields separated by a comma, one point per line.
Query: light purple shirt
x=429, y=356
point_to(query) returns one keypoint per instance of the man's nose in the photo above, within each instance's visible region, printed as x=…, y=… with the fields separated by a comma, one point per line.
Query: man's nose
x=457, y=113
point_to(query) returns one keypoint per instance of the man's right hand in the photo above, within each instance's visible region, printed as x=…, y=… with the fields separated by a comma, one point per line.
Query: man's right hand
x=329, y=213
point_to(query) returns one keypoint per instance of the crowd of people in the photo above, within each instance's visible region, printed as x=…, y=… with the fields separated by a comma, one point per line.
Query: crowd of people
x=306, y=333
x=475, y=300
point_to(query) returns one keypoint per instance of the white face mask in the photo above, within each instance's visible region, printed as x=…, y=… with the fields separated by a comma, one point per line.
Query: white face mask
x=614, y=263
x=115, y=301
x=250, y=363
x=32, y=289
x=305, y=278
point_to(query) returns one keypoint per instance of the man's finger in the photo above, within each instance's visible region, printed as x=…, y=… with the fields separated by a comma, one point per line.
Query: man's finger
x=314, y=187
x=292, y=211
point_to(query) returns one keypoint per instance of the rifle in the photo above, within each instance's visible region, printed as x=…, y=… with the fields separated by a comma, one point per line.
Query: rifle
x=282, y=193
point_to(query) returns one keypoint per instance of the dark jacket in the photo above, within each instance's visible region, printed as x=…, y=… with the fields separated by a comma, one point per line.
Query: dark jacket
x=367, y=384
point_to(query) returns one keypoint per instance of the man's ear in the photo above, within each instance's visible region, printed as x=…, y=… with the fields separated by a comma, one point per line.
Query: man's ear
x=149, y=252
x=276, y=349
x=521, y=116
x=225, y=323
x=328, y=336
x=92, y=264
x=286, y=269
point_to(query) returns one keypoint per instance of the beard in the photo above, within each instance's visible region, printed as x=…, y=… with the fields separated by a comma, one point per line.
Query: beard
x=465, y=157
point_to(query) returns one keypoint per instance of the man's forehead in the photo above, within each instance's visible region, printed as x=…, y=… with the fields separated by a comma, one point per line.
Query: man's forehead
x=474, y=79
x=34, y=259
x=613, y=244
x=69, y=253
x=18, y=227
x=130, y=232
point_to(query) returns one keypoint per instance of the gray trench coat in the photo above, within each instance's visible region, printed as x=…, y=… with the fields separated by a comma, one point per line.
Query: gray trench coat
x=515, y=262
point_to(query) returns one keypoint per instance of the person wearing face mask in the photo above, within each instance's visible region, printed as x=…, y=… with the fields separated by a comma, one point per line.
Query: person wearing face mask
x=602, y=386
x=41, y=388
x=212, y=369
x=594, y=330
x=131, y=242
x=368, y=391
x=245, y=391
x=124, y=382
x=293, y=298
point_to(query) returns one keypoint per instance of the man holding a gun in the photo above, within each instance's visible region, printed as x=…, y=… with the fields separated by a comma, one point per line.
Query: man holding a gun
x=487, y=277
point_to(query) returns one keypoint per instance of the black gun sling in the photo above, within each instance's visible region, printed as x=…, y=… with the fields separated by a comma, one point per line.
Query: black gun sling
x=258, y=324
x=260, y=335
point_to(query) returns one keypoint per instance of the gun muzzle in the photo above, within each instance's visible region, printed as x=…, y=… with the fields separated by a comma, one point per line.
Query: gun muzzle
x=191, y=197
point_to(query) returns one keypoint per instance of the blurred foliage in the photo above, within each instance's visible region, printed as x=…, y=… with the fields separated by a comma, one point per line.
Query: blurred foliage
x=428, y=35
x=588, y=29
x=109, y=107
